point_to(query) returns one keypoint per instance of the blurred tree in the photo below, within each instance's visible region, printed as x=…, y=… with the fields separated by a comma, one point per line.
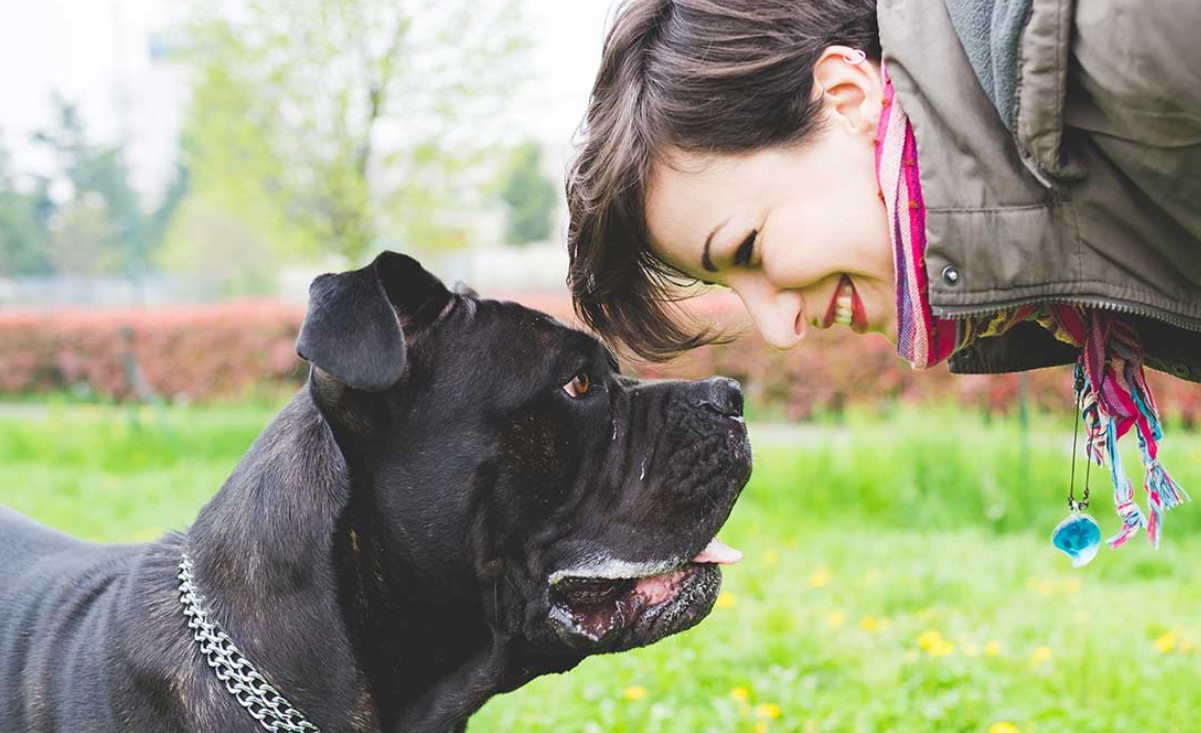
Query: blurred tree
x=529, y=194
x=23, y=215
x=328, y=125
x=98, y=226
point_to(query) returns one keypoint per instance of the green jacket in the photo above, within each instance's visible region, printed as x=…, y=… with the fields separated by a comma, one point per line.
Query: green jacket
x=1060, y=149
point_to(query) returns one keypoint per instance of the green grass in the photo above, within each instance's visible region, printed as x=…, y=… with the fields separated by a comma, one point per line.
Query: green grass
x=897, y=577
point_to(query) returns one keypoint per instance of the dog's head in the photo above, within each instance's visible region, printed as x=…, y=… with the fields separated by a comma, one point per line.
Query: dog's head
x=505, y=458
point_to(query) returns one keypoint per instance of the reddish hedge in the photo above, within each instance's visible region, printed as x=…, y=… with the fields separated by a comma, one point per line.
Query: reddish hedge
x=226, y=351
x=183, y=352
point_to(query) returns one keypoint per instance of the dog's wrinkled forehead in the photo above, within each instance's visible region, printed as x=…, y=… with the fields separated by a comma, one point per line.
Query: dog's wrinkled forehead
x=510, y=328
x=507, y=345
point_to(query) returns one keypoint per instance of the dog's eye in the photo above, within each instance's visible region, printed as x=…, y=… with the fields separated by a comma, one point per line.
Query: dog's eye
x=579, y=385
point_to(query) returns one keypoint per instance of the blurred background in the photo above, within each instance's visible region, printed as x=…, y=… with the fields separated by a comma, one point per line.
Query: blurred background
x=157, y=152
x=172, y=176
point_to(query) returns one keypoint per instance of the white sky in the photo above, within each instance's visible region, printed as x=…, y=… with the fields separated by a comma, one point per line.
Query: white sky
x=90, y=50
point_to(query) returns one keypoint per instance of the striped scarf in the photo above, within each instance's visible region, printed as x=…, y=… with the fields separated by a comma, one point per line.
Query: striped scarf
x=1113, y=393
x=922, y=339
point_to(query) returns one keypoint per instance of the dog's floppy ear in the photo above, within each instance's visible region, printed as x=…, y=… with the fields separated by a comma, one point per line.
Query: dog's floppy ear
x=356, y=323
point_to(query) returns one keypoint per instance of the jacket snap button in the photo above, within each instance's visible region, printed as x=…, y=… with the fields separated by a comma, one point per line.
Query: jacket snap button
x=950, y=275
x=1180, y=369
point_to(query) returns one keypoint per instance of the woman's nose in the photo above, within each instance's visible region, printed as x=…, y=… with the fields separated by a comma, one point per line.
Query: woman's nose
x=775, y=312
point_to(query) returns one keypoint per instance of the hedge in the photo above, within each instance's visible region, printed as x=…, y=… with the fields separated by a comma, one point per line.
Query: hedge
x=181, y=353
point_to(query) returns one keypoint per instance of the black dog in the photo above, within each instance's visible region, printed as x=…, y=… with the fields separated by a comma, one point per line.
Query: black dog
x=466, y=495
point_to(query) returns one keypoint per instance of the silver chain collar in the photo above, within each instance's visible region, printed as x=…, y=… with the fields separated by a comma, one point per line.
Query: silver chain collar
x=249, y=688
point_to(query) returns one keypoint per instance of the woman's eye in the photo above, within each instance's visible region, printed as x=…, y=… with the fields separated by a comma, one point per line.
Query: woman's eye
x=578, y=386
x=746, y=250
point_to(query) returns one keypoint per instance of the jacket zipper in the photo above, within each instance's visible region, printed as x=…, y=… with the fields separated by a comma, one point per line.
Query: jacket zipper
x=961, y=312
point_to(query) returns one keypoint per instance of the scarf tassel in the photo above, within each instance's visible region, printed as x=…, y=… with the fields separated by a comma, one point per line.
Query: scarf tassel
x=1162, y=494
x=1123, y=492
x=1130, y=398
x=1165, y=487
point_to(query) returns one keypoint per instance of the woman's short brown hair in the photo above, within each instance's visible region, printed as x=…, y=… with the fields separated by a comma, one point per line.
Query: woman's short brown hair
x=709, y=76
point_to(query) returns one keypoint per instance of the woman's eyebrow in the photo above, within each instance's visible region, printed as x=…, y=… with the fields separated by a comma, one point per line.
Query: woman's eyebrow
x=706, y=261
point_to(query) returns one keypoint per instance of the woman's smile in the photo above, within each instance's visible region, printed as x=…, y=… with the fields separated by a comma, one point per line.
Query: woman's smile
x=846, y=308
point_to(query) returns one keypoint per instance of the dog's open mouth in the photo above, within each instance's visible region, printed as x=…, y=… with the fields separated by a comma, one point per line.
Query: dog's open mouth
x=621, y=605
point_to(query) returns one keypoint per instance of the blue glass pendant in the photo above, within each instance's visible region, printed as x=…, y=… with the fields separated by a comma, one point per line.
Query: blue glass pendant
x=1078, y=537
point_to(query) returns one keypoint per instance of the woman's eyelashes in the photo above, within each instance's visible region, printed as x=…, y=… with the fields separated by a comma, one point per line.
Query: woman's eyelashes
x=746, y=250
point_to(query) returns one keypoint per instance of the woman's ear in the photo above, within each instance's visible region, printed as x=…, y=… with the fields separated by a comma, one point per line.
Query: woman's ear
x=850, y=89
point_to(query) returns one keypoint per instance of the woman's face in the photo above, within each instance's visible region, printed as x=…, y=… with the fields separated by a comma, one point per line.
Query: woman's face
x=799, y=233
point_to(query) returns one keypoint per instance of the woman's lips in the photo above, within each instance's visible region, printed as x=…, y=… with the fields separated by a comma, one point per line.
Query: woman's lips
x=846, y=307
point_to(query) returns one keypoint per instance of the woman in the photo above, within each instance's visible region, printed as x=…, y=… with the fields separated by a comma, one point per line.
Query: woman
x=1007, y=185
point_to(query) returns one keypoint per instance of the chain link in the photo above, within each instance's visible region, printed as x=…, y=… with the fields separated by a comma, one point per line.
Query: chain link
x=252, y=691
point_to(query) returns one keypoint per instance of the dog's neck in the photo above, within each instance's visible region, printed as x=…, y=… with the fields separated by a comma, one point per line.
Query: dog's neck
x=290, y=565
x=411, y=631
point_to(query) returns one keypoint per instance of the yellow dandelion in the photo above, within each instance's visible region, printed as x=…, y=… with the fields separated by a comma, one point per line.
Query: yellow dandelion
x=761, y=726
x=634, y=692
x=927, y=639
x=1071, y=585
x=1003, y=727
x=741, y=694
x=941, y=648
x=1041, y=655
x=819, y=578
x=1045, y=588
x=869, y=624
x=1166, y=642
x=992, y=649
x=771, y=557
x=725, y=599
x=767, y=711
x=836, y=619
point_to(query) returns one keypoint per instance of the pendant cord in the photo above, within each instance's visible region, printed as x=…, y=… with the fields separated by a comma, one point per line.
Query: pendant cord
x=1088, y=466
x=1072, y=505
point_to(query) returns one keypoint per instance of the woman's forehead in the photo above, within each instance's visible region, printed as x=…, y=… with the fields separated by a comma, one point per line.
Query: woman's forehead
x=684, y=195
x=690, y=196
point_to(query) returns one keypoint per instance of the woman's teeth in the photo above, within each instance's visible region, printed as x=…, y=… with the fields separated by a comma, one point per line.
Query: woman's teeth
x=843, y=313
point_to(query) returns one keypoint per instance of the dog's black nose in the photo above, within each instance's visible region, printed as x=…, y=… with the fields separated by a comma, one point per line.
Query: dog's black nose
x=720, y=394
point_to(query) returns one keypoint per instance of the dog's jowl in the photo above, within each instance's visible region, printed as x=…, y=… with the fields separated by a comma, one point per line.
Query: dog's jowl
x=465, y=495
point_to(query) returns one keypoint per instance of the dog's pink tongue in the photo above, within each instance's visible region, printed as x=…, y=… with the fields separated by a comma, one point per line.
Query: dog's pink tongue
x=718, y=553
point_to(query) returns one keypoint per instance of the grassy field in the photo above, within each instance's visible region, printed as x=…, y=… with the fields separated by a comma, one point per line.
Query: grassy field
x=898, y=577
